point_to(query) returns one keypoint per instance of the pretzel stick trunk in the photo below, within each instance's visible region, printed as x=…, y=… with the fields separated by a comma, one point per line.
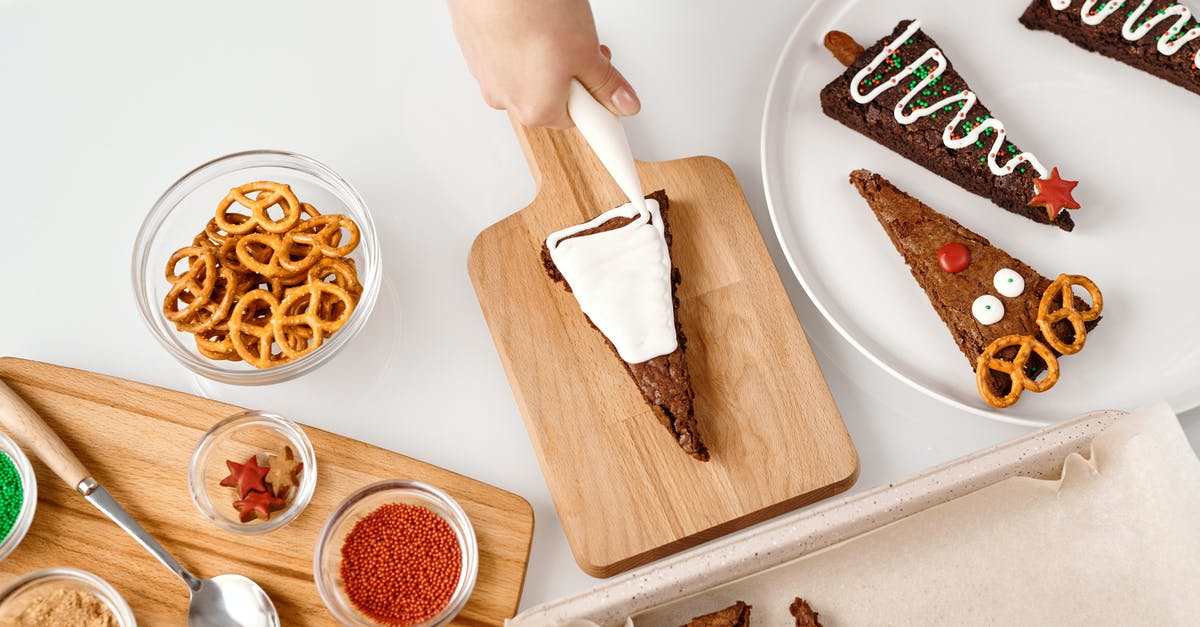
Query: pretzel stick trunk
x=843, y=47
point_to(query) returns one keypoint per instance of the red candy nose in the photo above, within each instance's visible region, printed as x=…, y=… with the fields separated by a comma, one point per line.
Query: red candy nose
x=954, y=257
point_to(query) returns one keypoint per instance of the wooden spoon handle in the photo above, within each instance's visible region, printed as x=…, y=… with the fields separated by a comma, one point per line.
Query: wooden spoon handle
x=35, y=435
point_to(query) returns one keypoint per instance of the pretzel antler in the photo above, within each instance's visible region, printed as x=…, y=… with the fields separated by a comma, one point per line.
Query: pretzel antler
x=1015, y=369
x=1066, y=311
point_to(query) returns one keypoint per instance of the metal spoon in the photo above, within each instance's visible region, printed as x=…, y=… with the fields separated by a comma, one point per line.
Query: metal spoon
x=223, y=601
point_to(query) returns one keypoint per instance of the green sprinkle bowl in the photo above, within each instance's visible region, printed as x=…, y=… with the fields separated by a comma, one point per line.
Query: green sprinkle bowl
x=28, y=499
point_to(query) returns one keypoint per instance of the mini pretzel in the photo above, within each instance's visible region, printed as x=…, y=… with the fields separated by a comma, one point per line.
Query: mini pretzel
x=251, y=329
x=325, y=233
x=273, y=256
x=268, y=195
x=215, y=344
x=216, y=309
x=215, y=234
x=318, y=310
x=1015, y=369
x=340, y=272
x=1066, y=311
x=194, y=286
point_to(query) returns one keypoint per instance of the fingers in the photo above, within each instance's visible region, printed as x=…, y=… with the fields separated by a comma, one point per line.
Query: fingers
x=550, y=113
x=607, y=85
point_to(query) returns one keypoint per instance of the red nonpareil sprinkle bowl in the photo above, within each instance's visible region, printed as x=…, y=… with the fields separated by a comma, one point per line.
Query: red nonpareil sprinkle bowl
x=396, y=553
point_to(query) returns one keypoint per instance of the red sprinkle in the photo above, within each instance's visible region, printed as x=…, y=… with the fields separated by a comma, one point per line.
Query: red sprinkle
x=401, y=564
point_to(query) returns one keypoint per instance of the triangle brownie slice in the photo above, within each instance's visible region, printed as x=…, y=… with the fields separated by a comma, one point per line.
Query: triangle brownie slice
x=662, y=375
x=904, y=93
x=1161, y=37
x=981, y=293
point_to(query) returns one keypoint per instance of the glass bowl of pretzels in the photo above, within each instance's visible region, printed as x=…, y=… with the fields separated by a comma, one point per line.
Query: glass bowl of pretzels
x=257, y=267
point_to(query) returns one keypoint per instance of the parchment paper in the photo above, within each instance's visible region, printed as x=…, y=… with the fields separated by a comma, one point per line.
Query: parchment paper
x=1115, y=541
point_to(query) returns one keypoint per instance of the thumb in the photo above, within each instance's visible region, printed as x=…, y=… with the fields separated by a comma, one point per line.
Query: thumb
x=608, y=87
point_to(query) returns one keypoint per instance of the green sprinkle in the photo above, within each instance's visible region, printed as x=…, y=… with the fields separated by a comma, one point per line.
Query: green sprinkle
x=12, y=494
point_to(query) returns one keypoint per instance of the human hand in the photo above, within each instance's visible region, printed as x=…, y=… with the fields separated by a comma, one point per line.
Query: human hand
x=524, y=54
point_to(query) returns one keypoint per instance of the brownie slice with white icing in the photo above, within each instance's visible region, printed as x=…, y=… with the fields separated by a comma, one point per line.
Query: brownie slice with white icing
x=904, y=93
x=639, y=321
x=1161, y=37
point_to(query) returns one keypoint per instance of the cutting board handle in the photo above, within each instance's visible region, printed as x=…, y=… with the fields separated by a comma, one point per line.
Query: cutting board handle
x=563, y=160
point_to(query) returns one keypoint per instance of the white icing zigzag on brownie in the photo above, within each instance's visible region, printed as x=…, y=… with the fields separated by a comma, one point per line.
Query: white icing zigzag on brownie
x=1168, y=44
x=967, y=97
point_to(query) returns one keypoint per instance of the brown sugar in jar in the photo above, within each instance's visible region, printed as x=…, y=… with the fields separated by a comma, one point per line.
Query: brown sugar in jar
x=401, y=564
x=67, y=606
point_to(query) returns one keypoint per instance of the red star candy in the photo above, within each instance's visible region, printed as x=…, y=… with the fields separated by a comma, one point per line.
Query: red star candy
x=1054, y=194
x=258, y=504
x=246, y=477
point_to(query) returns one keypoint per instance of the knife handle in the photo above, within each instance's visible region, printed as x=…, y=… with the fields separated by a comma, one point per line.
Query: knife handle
x=35, y=435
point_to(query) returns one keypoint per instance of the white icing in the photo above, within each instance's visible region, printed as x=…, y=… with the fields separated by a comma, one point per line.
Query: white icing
x=1008, y=282
x=1168, y=44
x=967, y=97
x=622, y=280
x=987, y=309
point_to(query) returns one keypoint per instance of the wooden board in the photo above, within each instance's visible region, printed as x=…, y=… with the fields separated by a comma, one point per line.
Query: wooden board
x=624, y=492
x=137, y=439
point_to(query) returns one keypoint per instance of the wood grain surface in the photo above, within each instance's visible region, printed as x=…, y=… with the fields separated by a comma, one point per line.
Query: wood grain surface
x=623, y=490
x=136, y=441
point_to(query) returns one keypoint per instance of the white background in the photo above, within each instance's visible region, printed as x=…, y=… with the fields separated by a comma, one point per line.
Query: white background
x=103, y=105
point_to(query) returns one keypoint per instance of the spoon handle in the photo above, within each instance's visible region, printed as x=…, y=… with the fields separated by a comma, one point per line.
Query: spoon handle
x=34, y=434
x=99, y=497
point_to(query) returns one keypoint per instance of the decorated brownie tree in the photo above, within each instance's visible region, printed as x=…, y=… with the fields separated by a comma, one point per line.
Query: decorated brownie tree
x=1158, y=36
x=1009, y=321
x=903, y=92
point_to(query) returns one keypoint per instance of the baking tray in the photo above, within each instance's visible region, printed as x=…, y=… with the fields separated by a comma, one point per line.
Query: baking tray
x=1039, y=454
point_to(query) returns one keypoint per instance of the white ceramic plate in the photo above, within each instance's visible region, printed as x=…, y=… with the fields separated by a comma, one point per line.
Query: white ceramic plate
x=1127, y=136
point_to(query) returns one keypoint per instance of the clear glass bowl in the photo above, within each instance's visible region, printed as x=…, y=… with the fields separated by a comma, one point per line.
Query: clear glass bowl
x=29, y=497
x=237, y=438
x=184, y=209
x=29, y=588
x=327, y=557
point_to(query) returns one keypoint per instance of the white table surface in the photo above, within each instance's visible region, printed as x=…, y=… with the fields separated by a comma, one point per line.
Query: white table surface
x=105, y=104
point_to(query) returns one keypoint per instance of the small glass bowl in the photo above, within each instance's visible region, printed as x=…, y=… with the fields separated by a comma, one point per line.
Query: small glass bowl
x=237, y=438
x=187, y=206
x=29, y=588
x=29, y=497
x=327, y=557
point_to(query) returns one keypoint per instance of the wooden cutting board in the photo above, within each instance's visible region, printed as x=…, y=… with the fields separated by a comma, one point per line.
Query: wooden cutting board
x=624, y=491
x=137, y=439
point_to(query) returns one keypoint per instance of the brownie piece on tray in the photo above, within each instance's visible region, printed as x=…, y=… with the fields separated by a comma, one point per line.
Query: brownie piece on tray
x=1008, y=320
x=904, y=93
x=803, y=613
x=736, y=615
x=663, y=379
x=1157, y=36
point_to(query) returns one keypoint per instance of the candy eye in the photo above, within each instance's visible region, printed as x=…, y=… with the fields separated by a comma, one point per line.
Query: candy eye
x=987, y=309
x=1008, y=283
